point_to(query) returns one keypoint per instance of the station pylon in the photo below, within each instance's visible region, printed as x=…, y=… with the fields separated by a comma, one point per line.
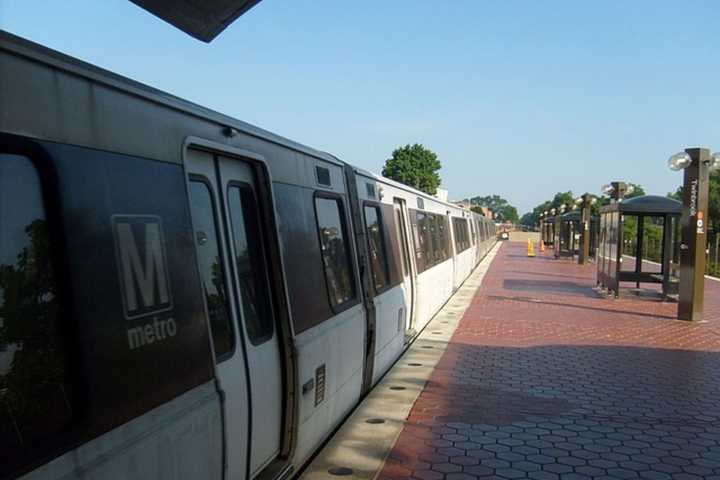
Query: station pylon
x=531, y=248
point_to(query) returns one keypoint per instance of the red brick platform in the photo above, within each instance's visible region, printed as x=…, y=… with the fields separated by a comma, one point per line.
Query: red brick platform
x=544, y=379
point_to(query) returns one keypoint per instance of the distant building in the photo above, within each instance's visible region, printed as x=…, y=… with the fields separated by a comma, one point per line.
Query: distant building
x=441, y=194
x=487, y=213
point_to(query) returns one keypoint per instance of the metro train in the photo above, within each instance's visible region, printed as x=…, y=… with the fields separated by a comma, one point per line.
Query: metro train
x=184, y=295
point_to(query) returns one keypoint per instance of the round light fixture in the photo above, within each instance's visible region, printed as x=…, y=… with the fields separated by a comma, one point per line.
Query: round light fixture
x=607, y=189
x=714, y=161
x=679, y=161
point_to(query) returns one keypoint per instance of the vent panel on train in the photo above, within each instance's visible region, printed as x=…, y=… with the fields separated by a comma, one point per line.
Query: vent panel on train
x=322, y=175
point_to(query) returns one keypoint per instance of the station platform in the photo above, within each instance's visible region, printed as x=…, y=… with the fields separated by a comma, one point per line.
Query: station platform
x=529, y=373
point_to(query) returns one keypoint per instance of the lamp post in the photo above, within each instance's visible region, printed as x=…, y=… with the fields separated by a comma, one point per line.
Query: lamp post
x=541, y=228
x=617, y=190
x=557, y=241
x=697, y=163
x=585, y=202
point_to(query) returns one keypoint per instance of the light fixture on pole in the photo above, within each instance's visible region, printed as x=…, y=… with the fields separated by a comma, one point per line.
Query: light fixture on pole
x=617, y=190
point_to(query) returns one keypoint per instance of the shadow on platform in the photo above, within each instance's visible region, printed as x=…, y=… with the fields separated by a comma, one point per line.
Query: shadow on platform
x=581, y=307
x=549, y=286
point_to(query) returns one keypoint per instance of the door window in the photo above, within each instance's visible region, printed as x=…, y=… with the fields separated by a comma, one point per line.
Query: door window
x=378, y=258
x=210, y=263
x=250, y=263
x=400, y=232
x=335, y=250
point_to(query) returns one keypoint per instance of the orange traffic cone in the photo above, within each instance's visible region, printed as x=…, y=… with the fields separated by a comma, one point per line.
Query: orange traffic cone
x=531, y=248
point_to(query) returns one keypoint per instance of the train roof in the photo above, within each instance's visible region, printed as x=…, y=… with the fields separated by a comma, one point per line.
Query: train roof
x=39, y=53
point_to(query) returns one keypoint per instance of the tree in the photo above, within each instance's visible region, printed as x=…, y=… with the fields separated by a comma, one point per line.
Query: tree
x=504, y=212
x=415, y=166
x=531, y=219
x=638, y=191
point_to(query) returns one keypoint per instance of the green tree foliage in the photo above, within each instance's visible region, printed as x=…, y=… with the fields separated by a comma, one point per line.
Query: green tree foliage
x=504, y=212
x=416, y=166
x=531, y=219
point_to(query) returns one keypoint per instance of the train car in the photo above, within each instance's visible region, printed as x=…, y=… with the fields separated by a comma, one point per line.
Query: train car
x=185, y=295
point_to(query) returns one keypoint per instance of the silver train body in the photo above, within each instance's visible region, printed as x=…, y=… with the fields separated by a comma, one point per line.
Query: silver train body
x=184, y=295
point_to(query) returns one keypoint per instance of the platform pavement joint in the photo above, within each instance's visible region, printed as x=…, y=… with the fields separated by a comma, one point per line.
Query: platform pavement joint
x=544, y=379
x=360, y=447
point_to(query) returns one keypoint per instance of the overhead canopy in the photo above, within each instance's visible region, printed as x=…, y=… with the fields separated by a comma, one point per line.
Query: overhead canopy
x=646, y=204
x=202, y=19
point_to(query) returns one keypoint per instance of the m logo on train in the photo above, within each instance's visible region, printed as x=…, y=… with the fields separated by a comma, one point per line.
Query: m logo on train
x=142, y=266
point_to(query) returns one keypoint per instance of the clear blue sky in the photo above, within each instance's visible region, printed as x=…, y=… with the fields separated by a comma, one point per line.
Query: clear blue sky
x=519, y=98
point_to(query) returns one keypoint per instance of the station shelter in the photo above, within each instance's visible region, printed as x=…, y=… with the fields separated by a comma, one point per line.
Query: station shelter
x=639, y=242
x=570, y=234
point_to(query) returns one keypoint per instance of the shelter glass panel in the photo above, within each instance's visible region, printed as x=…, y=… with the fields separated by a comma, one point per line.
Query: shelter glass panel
x=652, y=244
x=630, y=245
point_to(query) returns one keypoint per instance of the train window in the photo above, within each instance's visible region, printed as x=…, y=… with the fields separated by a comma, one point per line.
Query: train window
x=335, y=250
x=210, y=263
x=250, y=263
x=376, y=245
x=35, y=407
x=462, y=241
x=432, y=238
x=442, y=238
x=431, y=232
x=420, y=238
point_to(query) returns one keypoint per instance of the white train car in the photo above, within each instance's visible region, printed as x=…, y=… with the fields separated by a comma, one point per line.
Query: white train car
x=184, y=295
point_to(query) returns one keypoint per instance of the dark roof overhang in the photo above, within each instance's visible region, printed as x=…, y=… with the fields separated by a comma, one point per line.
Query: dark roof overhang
x=646, y=205
x=202, y=19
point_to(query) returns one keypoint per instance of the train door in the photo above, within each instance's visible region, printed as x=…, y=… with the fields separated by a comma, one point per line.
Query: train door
x=453, y=252
x=403, y=234
x=234, y=269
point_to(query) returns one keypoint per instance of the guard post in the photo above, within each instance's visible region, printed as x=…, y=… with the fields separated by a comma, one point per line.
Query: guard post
x=697, y=163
